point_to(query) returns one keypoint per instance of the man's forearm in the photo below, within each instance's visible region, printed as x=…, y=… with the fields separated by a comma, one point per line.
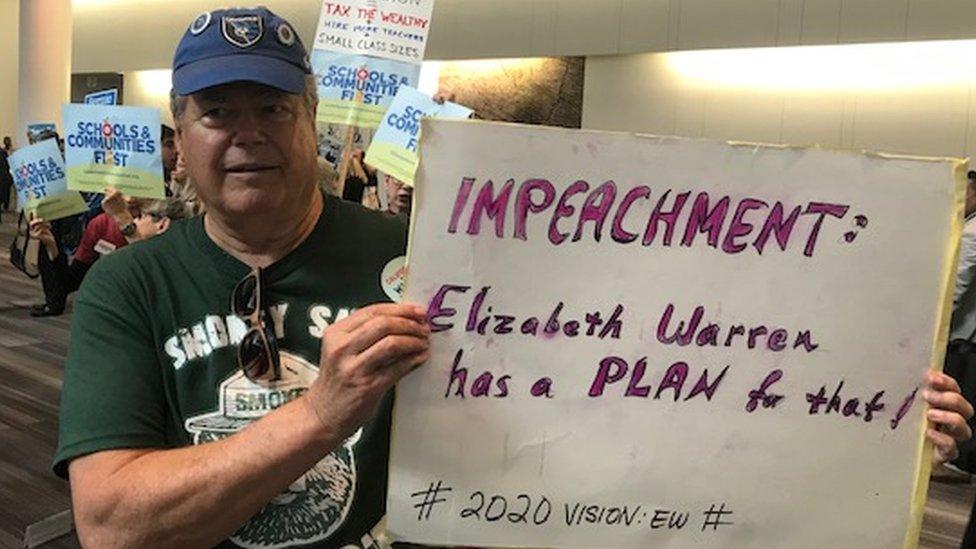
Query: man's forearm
x=200, y=495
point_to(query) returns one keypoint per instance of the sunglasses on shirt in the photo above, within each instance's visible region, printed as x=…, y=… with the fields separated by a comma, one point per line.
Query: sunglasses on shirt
x=257, y=354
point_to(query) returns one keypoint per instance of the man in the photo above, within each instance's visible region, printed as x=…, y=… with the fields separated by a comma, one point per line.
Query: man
x=961, y=353
x=359, y=179
x=190, y=421
x=167, y=151
x=964, y=295
x=177, y=426
x=6, y=180
x=399, y=195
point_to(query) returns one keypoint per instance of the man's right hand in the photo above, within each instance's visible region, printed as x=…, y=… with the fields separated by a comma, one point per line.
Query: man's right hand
x=41, y=230
x=363, y=356
x=114, y=203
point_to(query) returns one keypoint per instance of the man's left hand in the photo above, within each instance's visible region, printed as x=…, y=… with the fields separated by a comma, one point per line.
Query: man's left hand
x=948, y=415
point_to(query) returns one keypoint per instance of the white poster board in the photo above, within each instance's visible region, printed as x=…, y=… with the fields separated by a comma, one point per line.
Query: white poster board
x=390, y=29
x=819, y=272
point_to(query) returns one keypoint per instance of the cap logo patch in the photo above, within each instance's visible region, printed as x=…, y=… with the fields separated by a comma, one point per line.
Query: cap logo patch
x=201, y=23
x=243, y=31
x=285, y=35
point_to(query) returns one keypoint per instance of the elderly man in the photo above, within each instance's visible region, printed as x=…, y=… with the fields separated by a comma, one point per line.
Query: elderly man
x=229, y=382
x=200, y=406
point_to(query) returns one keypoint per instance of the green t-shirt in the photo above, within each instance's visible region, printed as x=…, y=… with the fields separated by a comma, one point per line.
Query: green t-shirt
x=152, y=360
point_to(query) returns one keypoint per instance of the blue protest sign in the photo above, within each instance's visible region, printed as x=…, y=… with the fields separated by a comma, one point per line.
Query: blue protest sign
x=113, y=146
x=104, y=97
x=355, y=89
x=394, y=147
x=39, y=177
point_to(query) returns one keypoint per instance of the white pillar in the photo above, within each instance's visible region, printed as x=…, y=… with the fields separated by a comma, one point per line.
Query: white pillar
x=9, y=29
x=45, y=63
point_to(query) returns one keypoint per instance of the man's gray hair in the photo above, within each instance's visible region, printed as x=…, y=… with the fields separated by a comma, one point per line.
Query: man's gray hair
x=310, y=98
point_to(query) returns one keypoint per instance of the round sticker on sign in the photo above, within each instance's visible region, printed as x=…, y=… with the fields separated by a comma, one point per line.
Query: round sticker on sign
x=392, y=278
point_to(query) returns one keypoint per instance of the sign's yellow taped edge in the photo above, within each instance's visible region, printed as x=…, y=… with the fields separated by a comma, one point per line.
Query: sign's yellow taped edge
x=923, y=469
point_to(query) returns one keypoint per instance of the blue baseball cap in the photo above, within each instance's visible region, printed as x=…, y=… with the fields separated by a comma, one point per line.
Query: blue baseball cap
x=233, y=45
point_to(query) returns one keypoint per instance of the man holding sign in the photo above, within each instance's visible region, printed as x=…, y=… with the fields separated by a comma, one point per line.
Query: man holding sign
x=229, y=382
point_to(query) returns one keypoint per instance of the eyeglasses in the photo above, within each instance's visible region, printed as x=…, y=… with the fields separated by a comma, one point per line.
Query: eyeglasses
x=257, y=353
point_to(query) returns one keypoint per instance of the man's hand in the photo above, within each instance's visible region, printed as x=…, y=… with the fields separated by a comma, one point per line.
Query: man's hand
x=441, y=96
x=114, y=203
x=41, y=230
x=155, y=497
x=363, y=356
x=948, y=414
x=360, y=168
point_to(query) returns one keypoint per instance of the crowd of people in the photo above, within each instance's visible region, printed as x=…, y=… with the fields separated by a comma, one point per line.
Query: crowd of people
x=200, y=404
x=71, y=246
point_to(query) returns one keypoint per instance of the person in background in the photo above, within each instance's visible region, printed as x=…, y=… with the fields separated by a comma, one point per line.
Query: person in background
x=183, y=190
x=327, y=177
x=167, y=138
x=6, y=180
x=399, y=195
x=66, y=233
x=141, y=219
x=359, y=179
x=122, y=223
x=961, y=353
x=964, y=296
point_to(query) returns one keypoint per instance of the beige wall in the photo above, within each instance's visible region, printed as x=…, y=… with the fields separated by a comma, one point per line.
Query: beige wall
x=650, y=93
x=638, y=92
x=125, y=35
x=9, y=32
x=149, y=89
x=143, y=34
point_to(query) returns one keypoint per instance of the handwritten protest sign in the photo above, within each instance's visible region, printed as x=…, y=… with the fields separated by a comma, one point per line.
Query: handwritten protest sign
x=113, y=146
x=42, y=190
x=660, y=342
x=394, y=147
x=340, y=77
x=390, y=29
